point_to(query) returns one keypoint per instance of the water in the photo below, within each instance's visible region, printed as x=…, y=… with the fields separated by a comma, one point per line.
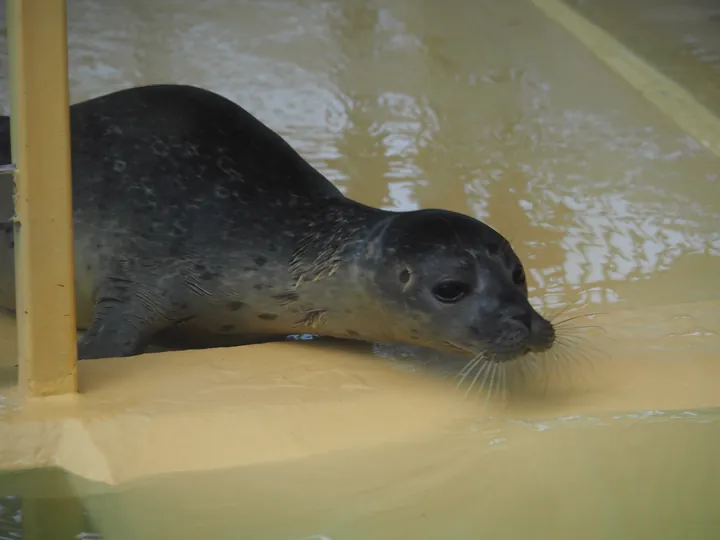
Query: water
x=490, y=109
x=40, y=504
x=681, y=39
x=589, y=477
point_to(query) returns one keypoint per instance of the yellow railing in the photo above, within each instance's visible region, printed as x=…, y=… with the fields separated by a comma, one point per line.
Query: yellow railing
x=45, y=283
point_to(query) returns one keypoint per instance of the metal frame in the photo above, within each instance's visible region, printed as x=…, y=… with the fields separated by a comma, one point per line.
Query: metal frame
x=40, y=135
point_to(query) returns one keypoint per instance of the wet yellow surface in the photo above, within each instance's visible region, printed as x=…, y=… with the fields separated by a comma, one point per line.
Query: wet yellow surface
x=681, y=39
x=487, y=108
x=515, y=483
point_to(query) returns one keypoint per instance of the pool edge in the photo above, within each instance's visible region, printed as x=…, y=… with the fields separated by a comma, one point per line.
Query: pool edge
x=667, y=95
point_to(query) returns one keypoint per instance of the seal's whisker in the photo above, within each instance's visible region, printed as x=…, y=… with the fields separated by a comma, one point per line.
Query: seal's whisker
x=561, y=355
x=563, y=366
x=562, y=310
x=575, y=317
x=563, y=342
x=468, y=369
x=544, y=366
x=503, y=379
x=485, y=378
x=533, y=364
x=572, y=338
x=578, y=354
x=569, y=352
x=469, y=366
x=494, y=381
x=498, y=381
x=498, y=375
x=467, y=372
x=576, y=361
x=555, y=366
x=521, y=370
x=493, y=371
x=568, y=329
x=546, y=375
x=505, y=388
x=480, y=371
x=551, y=363
x=581, y=345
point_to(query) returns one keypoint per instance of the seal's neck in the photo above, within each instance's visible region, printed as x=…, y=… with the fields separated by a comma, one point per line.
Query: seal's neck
x=332, y=245
x=329, y=267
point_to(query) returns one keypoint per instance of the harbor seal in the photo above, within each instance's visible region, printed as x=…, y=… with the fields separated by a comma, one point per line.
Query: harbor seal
x=198, y=226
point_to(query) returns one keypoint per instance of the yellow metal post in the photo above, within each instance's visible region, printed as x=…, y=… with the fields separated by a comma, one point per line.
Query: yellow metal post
x=40, y=135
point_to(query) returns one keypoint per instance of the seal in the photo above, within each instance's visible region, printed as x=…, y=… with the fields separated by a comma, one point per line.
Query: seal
x=198, y=226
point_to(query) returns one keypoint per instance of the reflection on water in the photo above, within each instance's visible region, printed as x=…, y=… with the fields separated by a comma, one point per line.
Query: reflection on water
x=10, y=518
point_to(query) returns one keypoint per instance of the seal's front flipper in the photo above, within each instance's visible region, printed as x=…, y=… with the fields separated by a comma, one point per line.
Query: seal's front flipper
x=124, y=323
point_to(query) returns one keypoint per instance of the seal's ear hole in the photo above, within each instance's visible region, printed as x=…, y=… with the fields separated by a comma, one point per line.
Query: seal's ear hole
x=404, y=276
x=518, y=275
x=450, y=291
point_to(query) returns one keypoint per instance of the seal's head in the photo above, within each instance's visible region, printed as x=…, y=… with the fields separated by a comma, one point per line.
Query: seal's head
x=455, y=283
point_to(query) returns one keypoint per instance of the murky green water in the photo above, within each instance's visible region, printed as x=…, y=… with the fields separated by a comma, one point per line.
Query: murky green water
x=41, y=504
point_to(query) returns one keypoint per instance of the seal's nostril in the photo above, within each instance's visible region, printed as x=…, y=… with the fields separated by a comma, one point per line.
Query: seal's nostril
x=524, y=318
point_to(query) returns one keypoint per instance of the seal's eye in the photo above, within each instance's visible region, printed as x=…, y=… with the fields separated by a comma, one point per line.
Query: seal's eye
x=518, y=275
x=404, y=275
x=450, y=291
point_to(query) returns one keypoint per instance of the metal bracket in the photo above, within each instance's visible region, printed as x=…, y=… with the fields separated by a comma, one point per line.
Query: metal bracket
x=8, y=169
